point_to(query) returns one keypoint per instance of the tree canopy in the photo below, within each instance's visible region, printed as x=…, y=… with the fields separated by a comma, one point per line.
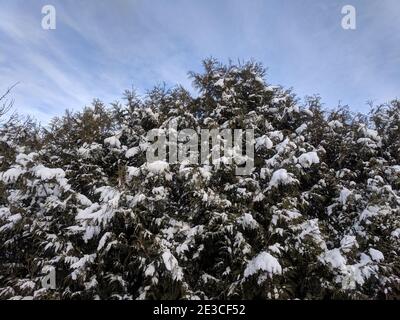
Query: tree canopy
x=318, y=217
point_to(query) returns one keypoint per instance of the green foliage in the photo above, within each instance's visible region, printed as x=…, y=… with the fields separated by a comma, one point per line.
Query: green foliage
x=78, y=196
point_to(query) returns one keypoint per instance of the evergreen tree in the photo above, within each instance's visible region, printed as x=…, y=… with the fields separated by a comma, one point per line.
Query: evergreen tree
x=317, y=217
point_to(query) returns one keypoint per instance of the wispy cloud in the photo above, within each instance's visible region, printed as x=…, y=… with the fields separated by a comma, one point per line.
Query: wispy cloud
x=101, y=48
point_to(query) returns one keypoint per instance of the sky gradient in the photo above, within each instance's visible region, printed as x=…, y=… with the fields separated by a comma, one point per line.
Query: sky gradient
x=100, y=48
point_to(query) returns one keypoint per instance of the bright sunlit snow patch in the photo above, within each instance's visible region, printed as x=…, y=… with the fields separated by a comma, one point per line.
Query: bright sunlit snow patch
x=344, y=194
x=281, y=176
x=264, y=262
x=348, y=242
x=369, y=212
x=133, y=172
x=11, y=221
x=334, y=258
x=247, y=221
x=219, y=83
x=335, y=124
x=376, y=255
x=309, y=158
x=132, y=152
x=396, y=233
x=113, y=142
x=300, y=129
x=157, y=166
x=150, y=270
x=171, y=264
x=11, y=175
x=263, y=141
x=48, y=173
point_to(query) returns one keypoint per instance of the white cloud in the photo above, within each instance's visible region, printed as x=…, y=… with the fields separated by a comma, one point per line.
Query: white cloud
x=101, y=48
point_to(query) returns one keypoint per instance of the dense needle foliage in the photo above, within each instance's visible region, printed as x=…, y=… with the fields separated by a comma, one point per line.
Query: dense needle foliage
x=318, y=218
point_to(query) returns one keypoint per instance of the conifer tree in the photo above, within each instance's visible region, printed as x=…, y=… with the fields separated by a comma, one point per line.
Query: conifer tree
x=317, y=217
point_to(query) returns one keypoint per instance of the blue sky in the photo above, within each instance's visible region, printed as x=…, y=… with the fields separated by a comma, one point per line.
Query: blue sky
x=100, y=48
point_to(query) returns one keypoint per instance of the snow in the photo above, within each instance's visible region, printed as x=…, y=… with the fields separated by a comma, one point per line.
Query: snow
x=292, y=214
x=207, y=277
x=369, y=212
x=133, y=172
x=276, y=135
x=353, y=275
x=335, y=124
x=395, y=168
x=171, y=264
x=12, y=220
x=205, y=172
x=83, y=200
x=103, y=240
x=259, y=79
x=396, y=233
x=23, y=159
x=247, y=221
x=334, y=258
x=285, y=146
x=113, y=142
x=160, y=193
x=270, y=88
x=158, y=166
x=308, y=112
x=138, y=198
x=87, y=258
x=300, y=129
x=275, y=248
x=344, y=194
x=150, y=270
x=195, y=224
x=278, y=100
x=309, y=158
x=132, y=152
x=109, y=195
x=366, y=141
x=4, y=213
x=28, y=285
x=376, y=255
x=44, y=173
x=265, y=262
x=86, y=150
x=310, y=228
x=90, y=232
x=87, y=213
x=182, y=248
x=281, y=176
x=219, y=83
x=371, y=138
x=372, y=134
x=91, y=284
x=348, y=242
x=11, y=175
x=99, y=214
x=263, y=141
